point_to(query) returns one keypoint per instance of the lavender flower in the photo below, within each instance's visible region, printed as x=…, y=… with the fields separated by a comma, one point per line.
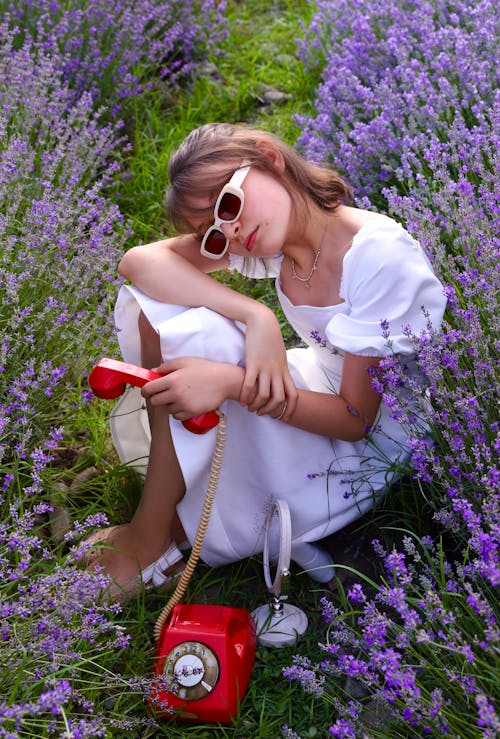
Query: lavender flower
x=401, y=638
x=108, y=47
x=307, y=675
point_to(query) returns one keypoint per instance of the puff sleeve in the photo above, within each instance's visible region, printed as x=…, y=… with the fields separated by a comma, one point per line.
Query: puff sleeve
x=386, y=278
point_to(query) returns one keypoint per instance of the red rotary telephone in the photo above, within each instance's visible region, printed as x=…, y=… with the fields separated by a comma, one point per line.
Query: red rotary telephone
x=109, y=379
x=206, y=652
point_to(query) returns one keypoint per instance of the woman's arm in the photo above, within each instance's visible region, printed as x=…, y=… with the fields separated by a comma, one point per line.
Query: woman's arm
x=174, y=271
x=194, y=386
x=348, y=415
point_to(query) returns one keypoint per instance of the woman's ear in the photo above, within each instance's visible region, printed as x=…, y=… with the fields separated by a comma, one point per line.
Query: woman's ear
x=273, y=153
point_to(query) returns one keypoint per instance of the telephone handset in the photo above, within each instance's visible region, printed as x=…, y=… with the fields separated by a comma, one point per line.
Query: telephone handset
x=110, y=377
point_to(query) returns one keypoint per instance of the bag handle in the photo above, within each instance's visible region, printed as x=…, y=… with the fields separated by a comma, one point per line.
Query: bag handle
x=283, y=566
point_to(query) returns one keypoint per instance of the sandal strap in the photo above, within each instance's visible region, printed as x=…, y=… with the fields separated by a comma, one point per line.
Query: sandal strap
x=155, y=572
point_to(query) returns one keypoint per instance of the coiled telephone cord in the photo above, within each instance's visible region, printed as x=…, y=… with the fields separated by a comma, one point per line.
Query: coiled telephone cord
x=213, y=481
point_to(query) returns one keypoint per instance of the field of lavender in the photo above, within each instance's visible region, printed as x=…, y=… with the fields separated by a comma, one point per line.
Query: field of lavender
x=409, y=104
x=403, y=98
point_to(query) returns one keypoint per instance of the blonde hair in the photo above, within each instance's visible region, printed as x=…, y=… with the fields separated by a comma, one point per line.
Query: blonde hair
x=191, y=171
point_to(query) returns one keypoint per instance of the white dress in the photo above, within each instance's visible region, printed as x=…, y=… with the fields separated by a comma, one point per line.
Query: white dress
x=327, y=483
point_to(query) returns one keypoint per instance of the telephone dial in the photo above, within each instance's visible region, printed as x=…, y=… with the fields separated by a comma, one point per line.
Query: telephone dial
x=110, y=377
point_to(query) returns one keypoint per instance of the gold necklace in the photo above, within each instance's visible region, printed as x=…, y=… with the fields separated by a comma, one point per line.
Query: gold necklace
x=314, y=267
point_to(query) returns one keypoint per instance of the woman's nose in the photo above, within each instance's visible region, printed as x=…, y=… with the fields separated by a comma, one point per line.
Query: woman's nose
x=231, y=230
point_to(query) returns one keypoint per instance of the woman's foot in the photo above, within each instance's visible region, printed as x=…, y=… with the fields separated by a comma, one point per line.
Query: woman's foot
x=315, y=561
x=130, y=564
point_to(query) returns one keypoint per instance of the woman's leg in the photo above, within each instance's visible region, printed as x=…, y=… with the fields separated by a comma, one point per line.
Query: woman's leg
x=154, y=525
x=151, y=357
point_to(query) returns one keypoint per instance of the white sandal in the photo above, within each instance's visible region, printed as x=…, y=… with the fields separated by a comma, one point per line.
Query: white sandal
x=152, y=576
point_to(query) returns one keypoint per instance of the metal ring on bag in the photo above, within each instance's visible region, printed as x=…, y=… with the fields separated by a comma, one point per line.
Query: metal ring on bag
x=285, y=548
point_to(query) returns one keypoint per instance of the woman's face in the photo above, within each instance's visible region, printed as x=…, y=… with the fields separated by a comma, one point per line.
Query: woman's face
x=262, y=229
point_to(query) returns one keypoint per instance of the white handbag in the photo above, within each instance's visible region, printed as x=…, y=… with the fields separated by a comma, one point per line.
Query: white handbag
x=130, y=429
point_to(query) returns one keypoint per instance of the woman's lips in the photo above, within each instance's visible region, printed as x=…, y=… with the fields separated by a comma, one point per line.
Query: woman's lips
x=250, y=241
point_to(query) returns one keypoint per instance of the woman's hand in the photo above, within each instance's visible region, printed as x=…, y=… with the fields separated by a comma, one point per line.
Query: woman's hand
x=268, y=382
x=192, y=386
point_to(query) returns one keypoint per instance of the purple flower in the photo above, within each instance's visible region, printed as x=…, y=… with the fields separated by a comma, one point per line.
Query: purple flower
x=343, y=729
x=355, y=593
x=305, y=672
x=488, y=718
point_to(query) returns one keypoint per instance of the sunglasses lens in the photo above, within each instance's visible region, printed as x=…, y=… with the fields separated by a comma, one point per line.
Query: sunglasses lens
x=229, y=207
x=215, y=243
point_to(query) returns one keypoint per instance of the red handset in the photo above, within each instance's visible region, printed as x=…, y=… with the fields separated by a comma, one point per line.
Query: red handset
x=110, y=377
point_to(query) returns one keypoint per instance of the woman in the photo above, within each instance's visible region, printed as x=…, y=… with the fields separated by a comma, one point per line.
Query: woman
x=304, y=425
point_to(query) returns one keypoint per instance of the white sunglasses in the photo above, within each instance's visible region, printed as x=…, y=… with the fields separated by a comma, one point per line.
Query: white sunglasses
x=227, y=210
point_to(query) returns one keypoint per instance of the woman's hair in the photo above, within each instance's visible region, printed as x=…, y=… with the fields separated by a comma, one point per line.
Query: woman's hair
x=191, y=171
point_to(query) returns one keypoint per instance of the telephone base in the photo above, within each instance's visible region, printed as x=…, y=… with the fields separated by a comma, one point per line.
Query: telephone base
x=207, y=654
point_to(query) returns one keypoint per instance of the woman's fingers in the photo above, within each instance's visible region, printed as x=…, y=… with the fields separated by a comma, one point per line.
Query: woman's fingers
x=276, y=400
x=249, y=388
x=269, y=393
x=263, y=393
